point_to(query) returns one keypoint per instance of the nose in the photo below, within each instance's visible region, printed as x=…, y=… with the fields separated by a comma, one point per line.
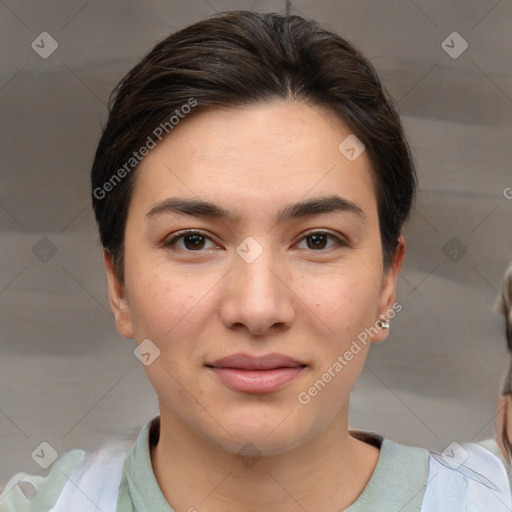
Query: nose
x=258, y=296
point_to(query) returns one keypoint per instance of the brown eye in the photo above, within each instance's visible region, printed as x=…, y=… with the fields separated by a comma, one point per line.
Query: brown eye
x=193, y=241
x=318, y=240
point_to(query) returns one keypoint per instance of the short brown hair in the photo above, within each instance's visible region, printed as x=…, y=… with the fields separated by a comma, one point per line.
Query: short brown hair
x=238, y=58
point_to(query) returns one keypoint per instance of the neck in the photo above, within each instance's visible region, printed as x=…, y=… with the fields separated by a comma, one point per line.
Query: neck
x=328, y=472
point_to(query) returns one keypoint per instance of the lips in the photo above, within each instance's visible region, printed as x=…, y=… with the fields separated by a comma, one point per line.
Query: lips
x=247, y=362
x=255, y=375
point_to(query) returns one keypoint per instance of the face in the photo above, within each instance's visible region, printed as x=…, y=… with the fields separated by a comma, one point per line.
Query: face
x=252, y=274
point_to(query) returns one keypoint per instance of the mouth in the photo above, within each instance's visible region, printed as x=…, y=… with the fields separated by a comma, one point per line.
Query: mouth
x=254, y=375
x=246, y=362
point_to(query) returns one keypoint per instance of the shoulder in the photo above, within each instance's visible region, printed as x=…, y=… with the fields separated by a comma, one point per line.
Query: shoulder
x=397, y=480
x=492, y=446
x=466, y=476
x=25, y=492
x=78, y=480
x=95, y=482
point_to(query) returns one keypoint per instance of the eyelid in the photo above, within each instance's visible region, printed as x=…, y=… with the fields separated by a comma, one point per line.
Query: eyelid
x=171, y=240
x=339, y=240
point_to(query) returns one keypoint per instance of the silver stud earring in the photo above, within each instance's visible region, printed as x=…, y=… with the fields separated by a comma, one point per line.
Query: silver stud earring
x=383, y=323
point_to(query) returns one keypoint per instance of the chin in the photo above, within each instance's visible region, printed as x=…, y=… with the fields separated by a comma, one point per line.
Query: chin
x=263, y=438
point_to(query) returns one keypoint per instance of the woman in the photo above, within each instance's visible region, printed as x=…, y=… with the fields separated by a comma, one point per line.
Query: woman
x=502, y=445
x=250, y=189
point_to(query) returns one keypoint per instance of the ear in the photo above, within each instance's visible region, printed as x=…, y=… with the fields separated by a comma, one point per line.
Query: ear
x=118, y=300
x=388, y=291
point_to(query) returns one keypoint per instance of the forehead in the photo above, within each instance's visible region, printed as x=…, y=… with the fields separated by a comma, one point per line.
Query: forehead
x=260, y=152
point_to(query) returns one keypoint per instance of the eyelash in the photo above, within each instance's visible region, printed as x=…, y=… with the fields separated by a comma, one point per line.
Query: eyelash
x=171, y=242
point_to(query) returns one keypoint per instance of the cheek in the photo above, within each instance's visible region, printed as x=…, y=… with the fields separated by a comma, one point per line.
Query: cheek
x=346, y=300
x=159, y=301
x=163, y=310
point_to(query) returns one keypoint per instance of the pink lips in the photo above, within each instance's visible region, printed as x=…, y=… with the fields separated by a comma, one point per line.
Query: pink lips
x=248, y=374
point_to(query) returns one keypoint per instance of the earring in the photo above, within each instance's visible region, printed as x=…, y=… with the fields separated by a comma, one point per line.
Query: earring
x=383, y=323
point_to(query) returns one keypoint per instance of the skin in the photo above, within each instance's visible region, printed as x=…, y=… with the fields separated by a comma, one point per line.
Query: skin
x=296, y=299
x=504, y=424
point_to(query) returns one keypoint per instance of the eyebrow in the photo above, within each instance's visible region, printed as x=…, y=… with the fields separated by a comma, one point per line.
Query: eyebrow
x=307, y=208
